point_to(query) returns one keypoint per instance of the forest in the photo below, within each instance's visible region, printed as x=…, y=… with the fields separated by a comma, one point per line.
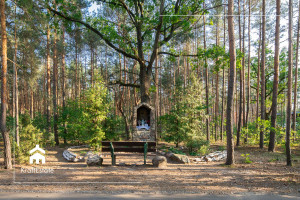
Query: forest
x=216, y=73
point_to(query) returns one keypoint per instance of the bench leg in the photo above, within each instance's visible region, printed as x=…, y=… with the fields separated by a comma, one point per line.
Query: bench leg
x=113, y=159
x=113, y=156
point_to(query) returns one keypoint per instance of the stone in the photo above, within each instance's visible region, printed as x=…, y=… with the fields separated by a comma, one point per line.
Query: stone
x=159, y=161
x=161, y=152
x=198, y=159
x=72, y=157
x=208, y=159
x=69, y=156
x=215, y=156
x=94, y=160
x=178, y=158
x=169, y=154
x=122, y=164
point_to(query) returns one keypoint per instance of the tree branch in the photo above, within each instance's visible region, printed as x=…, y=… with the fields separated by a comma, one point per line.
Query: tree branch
x=156, y=40
x=125, y=84
x=177, y=55
x=95, y=31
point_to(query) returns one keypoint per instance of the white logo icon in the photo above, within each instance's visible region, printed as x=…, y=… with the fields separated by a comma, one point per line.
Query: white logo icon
x=37, y=156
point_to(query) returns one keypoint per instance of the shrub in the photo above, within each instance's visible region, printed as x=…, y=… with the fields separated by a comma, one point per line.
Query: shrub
x=246, y=158
x=30, y=136
x=184, y=122
x=196, y=145
x=82, y=119
x=114, y=127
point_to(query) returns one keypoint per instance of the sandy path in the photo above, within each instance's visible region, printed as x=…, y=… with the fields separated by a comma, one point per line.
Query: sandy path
x=210, y=178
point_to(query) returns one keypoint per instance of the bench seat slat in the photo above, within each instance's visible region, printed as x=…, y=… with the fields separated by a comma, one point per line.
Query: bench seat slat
x=124, y=149
x=115, y=144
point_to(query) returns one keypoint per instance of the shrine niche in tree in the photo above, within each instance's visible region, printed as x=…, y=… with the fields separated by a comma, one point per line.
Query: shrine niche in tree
x=143, y=118
x=143, y=123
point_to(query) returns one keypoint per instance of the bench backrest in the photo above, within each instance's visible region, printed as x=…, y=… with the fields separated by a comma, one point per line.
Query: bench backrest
x=128, y=146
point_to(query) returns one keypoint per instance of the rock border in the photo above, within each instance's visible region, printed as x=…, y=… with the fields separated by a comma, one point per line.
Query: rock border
x=72, y=157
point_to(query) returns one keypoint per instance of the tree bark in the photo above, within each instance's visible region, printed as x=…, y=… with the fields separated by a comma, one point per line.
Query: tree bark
x=217, y=86
x=16, y=90
x=231, y=84
x=223, y=83
x=63, y=81
x=92, y=66
x=48, y=81
x=76, y=63
x=5, y=133
x=206, y=82
x=249, y=62
x=243, y=66
x=238, y=134
x=258, y=75
x=55, y=74
x=296, y=79
x=276, y=79
x=289, y=93
x=156, y=98
x=263, y=82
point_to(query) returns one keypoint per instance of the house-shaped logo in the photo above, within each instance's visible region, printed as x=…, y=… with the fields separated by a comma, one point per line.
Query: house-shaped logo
x=37, y=156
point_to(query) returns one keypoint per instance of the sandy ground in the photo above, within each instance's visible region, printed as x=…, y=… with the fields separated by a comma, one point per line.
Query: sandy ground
x=267, y=174
x=94, y=196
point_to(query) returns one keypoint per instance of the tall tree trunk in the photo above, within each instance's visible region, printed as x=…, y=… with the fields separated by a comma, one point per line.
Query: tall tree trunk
x=223, y=84
x=258, y=73
x=296, y=78
x=16, y=90
x=63, y=81
x=217, y=86
x=134, y=80
x=231, y=84
x=249, y=62
x=206, y=82
x=263, y=82
x=238, y=134
x=106, y=67
x=145, y=80
x=289, y=93
x=31, y=103
x=5, y=133
x=92, y=67
x=48, y=81
x=76, y=64
x=55, y=73
x=156, y=98
x=243, y=66
x=276, y=79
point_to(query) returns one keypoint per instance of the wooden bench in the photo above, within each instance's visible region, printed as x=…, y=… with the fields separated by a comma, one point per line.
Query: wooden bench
x=138, y=147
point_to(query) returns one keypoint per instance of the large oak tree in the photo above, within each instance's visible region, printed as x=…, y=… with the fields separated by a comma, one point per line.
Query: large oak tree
x=149, y=25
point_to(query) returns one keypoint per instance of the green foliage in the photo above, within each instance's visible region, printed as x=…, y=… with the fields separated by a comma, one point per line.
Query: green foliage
x=185, y=120
x=25, y=119
x=84, y=117
x=215, y=52
x=176, y=151
x=114, y=127
x=253, y=130
x=30, y=136
x=198, y=145
x=275, y=159
x=203, y=150
x=298, y=127
x=221, y=148
x=40, y=121
x=246, y=158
